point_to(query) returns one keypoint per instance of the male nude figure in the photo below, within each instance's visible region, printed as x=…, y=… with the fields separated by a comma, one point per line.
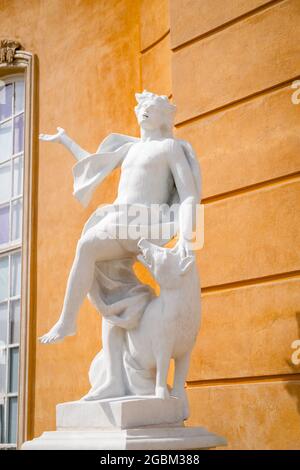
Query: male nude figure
x=148, y=173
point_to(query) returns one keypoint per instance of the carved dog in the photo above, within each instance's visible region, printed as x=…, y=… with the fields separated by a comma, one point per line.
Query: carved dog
x=170, y=323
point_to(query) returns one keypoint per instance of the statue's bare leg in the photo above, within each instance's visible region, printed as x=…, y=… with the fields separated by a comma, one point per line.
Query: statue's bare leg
x=112, y=343
x=93, y=246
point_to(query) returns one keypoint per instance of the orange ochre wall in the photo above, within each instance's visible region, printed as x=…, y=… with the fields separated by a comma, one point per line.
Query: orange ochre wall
x=229, y=66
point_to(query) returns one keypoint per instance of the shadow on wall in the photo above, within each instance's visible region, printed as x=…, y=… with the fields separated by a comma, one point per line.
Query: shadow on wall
x=293, y=388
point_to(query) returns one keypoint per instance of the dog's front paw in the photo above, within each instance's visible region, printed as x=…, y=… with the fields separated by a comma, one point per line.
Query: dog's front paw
x=162, y=392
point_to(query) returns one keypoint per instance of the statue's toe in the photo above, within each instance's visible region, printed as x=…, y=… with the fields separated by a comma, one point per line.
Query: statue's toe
x=50, y=338
x=43, y=339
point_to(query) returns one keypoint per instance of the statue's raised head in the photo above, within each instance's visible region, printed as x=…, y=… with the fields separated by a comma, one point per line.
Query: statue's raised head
x=154, y=111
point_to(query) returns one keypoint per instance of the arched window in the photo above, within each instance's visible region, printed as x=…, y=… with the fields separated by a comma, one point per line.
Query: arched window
x=16, y=220
x=11, y=208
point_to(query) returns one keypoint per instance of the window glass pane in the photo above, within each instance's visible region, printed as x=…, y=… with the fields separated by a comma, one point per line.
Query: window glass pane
x=19, y=96
x=5, y=182
x=1, y=422
x=3, y=364
x=6, y=92
x=15, y=287
x=3, y=323
x=4, y=224
x=5, y=140
x=17, y=176
x=13, y=370
x=3, y=277
x=19, y=134
x=12, y=420
x=16, y=220
x=14, y=319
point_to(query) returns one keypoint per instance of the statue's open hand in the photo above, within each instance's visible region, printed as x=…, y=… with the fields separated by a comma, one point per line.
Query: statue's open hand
x=53, y=138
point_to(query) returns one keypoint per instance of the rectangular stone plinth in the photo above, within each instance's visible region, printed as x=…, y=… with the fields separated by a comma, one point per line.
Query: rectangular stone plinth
x=119, y=413
x=132, y=439
x=128, y=423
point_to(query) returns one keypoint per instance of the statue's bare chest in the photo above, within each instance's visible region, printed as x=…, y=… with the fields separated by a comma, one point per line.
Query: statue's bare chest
x=145, y=156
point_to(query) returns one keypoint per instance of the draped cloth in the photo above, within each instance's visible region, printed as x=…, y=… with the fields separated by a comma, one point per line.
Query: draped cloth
x=116, y=292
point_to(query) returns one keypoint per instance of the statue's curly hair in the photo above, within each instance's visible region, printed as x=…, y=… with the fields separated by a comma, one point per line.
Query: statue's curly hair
x=162, y=101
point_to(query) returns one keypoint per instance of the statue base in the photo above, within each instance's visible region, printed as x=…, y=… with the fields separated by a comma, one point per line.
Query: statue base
x=128, y=423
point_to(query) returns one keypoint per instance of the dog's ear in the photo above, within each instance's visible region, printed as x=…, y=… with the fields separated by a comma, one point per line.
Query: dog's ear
x=186, y=263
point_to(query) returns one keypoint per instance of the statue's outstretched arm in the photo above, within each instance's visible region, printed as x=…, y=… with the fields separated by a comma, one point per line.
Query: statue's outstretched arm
x=62, y=138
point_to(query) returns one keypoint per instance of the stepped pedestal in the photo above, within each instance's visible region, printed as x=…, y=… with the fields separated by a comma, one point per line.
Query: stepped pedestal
x=128, y=423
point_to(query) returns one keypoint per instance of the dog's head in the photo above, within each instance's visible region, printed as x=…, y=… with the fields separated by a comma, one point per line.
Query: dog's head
x=166, y=264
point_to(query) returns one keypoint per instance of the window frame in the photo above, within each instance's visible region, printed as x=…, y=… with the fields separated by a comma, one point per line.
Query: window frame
x=25, y=63
x=15, y=155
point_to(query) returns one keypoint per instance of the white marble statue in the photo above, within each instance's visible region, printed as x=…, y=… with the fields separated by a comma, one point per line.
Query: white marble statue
x=141, y=332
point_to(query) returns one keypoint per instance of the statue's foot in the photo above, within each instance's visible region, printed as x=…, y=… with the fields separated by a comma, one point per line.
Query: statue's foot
x=110, y=389
x=58, y=332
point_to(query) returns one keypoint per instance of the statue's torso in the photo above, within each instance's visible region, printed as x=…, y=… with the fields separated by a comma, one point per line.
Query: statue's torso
x=146, y=177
